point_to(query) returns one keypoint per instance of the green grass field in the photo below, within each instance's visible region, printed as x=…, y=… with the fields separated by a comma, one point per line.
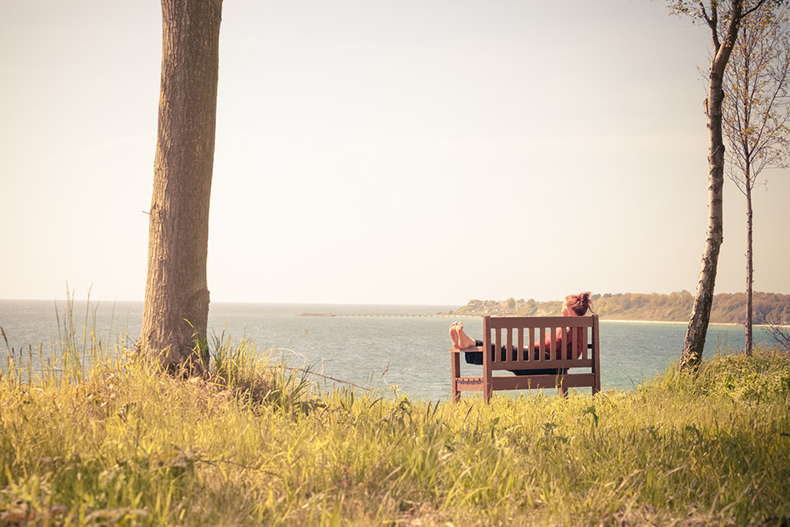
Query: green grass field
x=256, y=443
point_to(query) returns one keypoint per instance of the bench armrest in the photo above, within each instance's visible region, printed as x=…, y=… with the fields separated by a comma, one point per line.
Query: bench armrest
x=465, y=350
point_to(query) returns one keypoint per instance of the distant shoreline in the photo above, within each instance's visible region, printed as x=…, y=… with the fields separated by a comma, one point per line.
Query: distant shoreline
x=469, y=315
x=661, y=322
x=683, y=322
x=654, y=321
x=686, y=322
x=725, y=309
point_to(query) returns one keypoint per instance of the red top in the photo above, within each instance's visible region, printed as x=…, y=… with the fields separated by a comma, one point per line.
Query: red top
x=547, y=344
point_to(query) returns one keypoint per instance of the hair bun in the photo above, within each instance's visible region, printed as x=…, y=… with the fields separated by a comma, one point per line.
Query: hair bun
x=586, y=302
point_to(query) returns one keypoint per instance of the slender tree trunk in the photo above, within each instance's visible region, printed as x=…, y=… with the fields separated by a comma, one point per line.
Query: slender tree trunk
x=749, y=263
x=176, y=294
x=694, y=343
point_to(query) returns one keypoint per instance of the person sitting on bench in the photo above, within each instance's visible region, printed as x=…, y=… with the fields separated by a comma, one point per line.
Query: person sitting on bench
x=574, y=306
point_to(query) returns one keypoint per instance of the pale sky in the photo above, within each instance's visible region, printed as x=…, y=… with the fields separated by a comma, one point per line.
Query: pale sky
x=380, y=152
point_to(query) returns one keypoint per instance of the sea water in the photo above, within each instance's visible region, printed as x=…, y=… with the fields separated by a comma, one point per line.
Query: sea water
x=403, y=348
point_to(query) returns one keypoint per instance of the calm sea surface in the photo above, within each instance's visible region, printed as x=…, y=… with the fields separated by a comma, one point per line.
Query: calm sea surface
x=378, y=349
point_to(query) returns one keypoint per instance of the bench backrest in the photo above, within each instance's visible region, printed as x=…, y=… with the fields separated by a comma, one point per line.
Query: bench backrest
x=521, y=343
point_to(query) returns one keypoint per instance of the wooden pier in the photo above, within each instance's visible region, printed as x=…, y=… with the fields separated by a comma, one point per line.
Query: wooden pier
x=373, y=315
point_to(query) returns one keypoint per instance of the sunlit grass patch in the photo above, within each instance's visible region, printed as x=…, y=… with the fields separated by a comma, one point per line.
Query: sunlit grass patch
x=114, y=441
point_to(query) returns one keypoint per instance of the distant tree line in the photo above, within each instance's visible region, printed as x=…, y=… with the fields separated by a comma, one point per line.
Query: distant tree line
x=675, y=307
x=769, y=308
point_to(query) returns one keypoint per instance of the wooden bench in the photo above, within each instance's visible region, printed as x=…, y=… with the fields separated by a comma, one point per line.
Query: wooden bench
x=519, y=344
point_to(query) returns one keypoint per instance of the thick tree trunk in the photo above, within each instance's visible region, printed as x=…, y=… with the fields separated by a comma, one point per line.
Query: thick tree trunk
x=176, y=294
x=694, y=344
x=749, y=263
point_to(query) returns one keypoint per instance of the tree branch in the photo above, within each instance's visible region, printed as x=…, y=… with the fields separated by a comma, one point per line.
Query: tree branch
x=705, y=17
x=713, y=23
x=753, y=9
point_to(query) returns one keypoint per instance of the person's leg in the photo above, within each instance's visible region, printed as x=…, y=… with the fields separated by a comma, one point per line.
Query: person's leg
x=474, y=357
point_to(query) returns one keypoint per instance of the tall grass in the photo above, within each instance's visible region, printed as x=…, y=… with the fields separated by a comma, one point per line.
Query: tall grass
x=257, y=443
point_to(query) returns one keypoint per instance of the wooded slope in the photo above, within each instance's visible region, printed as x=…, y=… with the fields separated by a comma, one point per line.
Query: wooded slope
x=675, y=307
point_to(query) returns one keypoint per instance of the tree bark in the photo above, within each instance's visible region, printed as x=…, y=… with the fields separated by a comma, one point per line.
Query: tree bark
x=694, y=343
x=175, y=314
x=749, y=265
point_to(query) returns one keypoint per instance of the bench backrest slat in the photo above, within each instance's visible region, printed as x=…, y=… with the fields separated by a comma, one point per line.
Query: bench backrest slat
x=516, y=349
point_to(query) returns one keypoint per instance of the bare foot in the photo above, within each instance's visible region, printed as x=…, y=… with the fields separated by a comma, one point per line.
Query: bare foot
x=464, y=340
x=454, y=334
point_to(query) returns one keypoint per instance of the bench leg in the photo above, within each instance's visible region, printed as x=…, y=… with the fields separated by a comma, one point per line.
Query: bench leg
x=455, y=369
